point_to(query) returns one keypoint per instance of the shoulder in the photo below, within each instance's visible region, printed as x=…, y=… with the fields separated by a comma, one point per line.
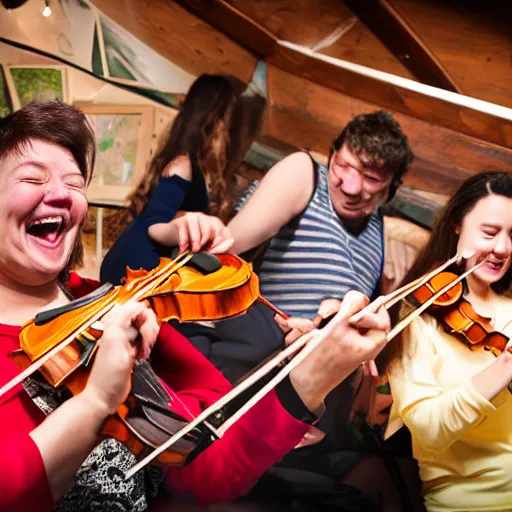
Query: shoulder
x=80, y=286
x=295, y=174
x=179, y=166
x=420, y=341
x=299, y=162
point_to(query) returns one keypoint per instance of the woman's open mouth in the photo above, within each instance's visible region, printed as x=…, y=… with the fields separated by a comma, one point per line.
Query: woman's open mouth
x=47, y=229
x=494, y=266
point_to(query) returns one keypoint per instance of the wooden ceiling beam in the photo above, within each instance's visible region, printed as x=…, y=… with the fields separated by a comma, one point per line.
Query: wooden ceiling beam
x=181, y=37
x=311, y=116
x=239, y=27
x=397, y=35
x=388, y=96
x=249, y=34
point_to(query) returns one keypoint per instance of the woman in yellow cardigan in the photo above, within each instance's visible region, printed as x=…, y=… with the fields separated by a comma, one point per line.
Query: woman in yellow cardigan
x=455, y=401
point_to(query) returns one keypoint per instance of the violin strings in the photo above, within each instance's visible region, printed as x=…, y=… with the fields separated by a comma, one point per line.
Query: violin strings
x=397, y=295
x=169, y=268
x=163, y=274
x=312, y=344
x=407, y=320
x=311, y=339
x=228, y=397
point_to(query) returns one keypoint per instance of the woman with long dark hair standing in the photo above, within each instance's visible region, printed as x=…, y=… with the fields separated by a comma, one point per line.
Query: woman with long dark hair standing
x=190, y=172
x=455, y=400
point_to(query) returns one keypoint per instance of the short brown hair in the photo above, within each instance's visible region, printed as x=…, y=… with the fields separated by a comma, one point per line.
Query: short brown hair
x=59, y=124
x=53, y=122
x=378, y=138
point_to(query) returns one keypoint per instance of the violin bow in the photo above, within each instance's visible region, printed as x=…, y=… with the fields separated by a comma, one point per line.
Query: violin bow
x=312, y=340
x=313, y=343
x=275, y=309
x=155, y=281
x=400, y=326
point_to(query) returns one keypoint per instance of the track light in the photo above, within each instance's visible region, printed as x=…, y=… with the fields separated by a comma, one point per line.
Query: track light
x=46, y=11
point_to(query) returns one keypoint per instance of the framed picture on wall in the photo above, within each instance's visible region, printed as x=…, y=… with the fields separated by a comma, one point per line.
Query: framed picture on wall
x=43, y=83
x=124, y=135
x=5, y=97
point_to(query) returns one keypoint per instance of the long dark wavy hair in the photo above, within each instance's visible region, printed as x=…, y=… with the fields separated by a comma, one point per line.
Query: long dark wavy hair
x=206, y=130
x=443, y=241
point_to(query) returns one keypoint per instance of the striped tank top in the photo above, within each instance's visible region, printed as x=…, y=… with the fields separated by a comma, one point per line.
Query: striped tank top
x=314, y=257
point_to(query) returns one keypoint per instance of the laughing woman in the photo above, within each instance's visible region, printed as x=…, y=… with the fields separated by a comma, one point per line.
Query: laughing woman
x=456, y=401
x=46, y=158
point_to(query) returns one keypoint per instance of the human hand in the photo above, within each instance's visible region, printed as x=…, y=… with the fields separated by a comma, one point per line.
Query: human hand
x=197, y=231
x=130, y=331
x=295, y=327
x=370, y=404
x=342, y=350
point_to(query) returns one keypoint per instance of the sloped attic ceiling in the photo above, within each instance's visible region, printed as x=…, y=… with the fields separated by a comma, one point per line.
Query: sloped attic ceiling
x=312, y=96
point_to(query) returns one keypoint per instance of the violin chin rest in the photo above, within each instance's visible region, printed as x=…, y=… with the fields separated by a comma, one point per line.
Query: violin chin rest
x=204, y=262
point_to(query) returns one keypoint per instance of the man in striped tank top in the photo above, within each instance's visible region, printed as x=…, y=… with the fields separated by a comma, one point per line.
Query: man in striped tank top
x=323, y=236
x=321, y=225
x=319, y=233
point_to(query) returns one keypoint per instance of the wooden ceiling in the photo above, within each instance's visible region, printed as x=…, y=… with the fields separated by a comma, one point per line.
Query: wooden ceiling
x=458, y=46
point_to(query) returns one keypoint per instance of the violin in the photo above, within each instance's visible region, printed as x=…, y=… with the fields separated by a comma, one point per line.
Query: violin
x=456, y=314
x=61, y=343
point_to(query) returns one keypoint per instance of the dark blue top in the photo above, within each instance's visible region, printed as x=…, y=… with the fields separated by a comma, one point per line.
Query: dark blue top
x=134, y=248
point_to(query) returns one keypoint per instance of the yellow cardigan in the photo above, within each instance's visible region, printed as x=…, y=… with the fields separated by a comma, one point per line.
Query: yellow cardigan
x=462, y=442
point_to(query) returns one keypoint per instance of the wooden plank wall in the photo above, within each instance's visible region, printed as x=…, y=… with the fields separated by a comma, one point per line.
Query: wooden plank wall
x=310, y=101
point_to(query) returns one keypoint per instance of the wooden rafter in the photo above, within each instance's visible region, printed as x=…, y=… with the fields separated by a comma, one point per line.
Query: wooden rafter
x=311, y=117
x=252, y=37
x=240, y=28
x=399, y=37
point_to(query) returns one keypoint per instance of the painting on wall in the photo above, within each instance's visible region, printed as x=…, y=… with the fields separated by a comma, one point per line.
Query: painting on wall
x=128, y=58
x=38, y=83
x=124, y=135
x=5, y=98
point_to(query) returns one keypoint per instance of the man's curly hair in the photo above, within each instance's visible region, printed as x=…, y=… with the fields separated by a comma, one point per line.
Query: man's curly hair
x=378, y=140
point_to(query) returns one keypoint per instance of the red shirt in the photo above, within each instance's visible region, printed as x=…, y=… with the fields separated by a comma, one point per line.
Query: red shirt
x=226, y=470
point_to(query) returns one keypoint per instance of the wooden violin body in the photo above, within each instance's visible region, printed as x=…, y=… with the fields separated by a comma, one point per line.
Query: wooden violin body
x=457, y=315
x=184, y=293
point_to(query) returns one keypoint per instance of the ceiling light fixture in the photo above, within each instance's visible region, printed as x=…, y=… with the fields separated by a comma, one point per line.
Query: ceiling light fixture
x=46, y=11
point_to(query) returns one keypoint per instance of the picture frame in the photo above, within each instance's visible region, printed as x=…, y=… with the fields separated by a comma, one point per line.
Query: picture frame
x=43, y=83
x=5, y=95
x=124, y=136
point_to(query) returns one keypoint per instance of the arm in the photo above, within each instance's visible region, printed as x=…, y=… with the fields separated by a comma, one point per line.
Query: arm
x=435, y=416
x=283, y=193
x=46, y=460
x=74, y=429
x=169, y=193
x=195, y=231
x=232, y=465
